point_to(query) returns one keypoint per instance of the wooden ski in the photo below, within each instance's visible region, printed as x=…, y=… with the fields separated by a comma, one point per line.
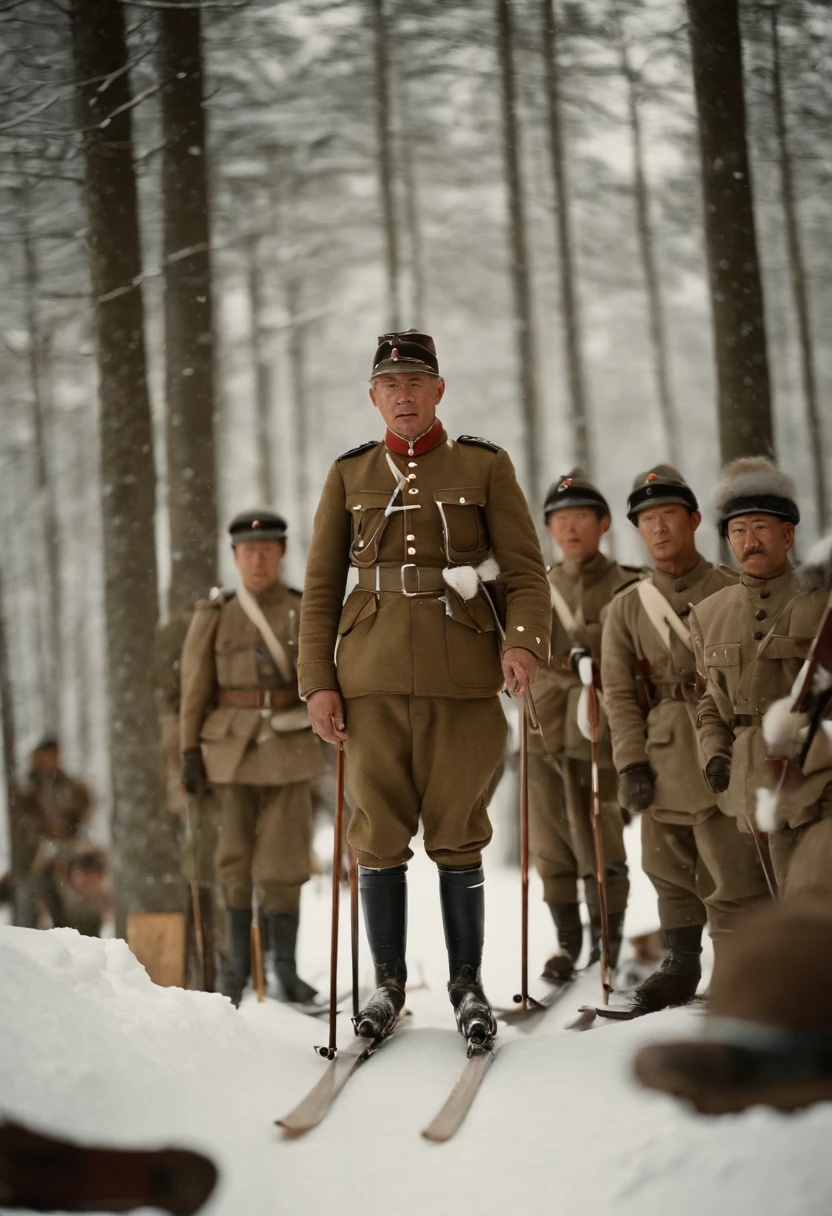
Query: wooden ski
x=460, y=1099
x=317, y=1104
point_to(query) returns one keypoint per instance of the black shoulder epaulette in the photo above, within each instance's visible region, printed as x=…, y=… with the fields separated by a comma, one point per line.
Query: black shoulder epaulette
x=295, y=591
x=632, y=570
x=626, y=586
x=480, y=443
x=362, y=447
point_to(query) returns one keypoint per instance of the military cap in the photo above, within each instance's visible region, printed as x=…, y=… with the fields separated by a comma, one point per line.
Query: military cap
x=661, y=484
x=256, y=525
x=574, y=490
x=407, y=351
x=753, y=485
x=49, y=743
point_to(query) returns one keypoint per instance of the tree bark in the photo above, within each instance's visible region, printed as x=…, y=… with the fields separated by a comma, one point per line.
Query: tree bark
x=515, y=196
x=145, y=859
x=797, y=271
x=569, y=301
x=300, y=404
x=384, y=151
x=263, y=373
x=189, y=338
x=744, y=391
x=7, y=727
x=647, y=248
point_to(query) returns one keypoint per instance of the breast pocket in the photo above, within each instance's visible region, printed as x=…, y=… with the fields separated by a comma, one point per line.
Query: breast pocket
x=236, y=665
x=368, y=524
x=463, y=523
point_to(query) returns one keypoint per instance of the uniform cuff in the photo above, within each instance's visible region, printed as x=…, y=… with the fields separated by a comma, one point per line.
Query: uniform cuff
x=627, y=760
x=315, y=677
x=530, y=636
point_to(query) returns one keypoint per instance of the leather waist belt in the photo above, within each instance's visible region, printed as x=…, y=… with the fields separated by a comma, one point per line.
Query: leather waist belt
x=406, y=580
x=257, y=698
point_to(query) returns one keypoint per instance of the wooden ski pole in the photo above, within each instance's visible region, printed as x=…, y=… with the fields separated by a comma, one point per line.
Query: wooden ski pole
x=258, y=973
x=522, y=998
x=354, y=929
x=598, y=831
x=331, y=1050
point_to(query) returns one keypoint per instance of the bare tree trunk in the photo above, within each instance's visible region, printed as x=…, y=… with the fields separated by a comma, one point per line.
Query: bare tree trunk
x=518, y=252
x=7, y=726
x=189, y=338
x=146, y=864
x=647, y=246
x=300, y=403
x=385, y=161
x=569, y=302
x=744, y=390
x=263, y=373
x=797, y=270
x=412, y=213
x=38, y=352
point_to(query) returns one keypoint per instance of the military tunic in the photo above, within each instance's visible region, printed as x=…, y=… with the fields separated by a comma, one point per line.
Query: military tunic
x=419, y=667
x=751, y=641
x=231, y=692
x=559, y=755
x=703, y=869
x=50, y=814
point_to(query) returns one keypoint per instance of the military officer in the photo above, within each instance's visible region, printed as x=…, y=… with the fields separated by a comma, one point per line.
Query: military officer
x=438, y=532
x=751, y=642
x=703, y=869
x=577, y=516
x=243, y=729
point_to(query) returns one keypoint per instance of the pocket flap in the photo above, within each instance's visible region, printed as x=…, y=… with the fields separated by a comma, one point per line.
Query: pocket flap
x=723, y=654
x=217, y=724
x=360, y=604
x=368, y=500
x=465, y=495
x=781, y=646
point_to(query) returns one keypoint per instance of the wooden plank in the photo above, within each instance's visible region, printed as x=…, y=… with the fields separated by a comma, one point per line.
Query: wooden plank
x=158, y=941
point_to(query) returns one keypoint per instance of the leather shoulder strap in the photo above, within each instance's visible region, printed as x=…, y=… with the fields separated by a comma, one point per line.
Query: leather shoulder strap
x=255, y=614
x=663, y=618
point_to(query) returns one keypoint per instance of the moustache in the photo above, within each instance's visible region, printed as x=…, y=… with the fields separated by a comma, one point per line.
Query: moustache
x=753, y=552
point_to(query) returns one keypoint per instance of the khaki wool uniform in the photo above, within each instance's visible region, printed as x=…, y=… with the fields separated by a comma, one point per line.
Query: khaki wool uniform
x=50, y=815
x=703, y=869
x=262, y=775
x=419, y=667
x=751, y=642
x=560, y=825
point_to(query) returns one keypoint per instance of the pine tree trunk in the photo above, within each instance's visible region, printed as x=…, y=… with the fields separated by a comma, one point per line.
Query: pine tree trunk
x=797, y=270
x=263, y=375
x=384, y=153
x=743, y=386
x=146, y=867
x=412, y=215
x=518, y=252
x=189, y=338
x=647, y=249
x=300, y=406
x=569, y=302
x=7, y=727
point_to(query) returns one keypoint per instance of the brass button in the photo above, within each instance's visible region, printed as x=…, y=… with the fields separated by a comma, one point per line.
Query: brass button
x=411, y=464
x=757, y=636
x=412, y=490
x=410, y=536
x=410, y=551
x=520, y=628
x=761, y=614
x=764, y=595
x=411, y=477
x=462, y=500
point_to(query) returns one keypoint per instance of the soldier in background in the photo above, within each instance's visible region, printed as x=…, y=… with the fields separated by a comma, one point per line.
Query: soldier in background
x=577, y=516
x=198, y=813
x=244, y=729
x=703, y=869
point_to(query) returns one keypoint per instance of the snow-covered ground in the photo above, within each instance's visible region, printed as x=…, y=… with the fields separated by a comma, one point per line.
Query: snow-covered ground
x=89, y=1047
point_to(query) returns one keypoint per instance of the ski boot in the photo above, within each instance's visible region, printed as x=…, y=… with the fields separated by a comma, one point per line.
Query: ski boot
x=561, y=966
x=238, y=958
x=615, y=923
x=283, y=936
x=384, y=900
x=676, y=981
x=474, y=1016
x=462, y=894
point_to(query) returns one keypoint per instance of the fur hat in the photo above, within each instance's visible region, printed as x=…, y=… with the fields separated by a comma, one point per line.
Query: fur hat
x=816, y=572
x=753, y=485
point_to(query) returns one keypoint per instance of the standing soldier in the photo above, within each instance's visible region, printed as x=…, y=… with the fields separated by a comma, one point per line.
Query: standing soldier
x=244, y=729
x=427, y=522
x=577, y=516
x=751, y=642
x=703, y=869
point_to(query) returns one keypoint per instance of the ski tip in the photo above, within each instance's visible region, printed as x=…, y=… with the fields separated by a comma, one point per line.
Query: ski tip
x=586, y=1016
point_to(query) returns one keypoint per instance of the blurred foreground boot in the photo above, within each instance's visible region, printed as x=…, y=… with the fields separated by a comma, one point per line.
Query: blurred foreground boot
x=384, y=900
x=238, y=953
x=43, y=1174
x=561, y=966
x=462, y=894
x=616, y=927
x=676, y=981
x=283, y=937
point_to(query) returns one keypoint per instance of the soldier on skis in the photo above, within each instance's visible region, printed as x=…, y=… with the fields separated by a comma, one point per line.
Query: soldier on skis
x=703, y=868
x=243, y=729
x=438, y=531
x=751, y=642
x=577, y=516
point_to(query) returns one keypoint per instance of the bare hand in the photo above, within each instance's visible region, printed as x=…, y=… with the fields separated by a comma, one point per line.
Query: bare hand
x=326, y=713
x=519, y=668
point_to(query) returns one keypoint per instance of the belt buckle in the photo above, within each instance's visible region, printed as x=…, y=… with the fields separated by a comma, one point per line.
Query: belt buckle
x=410, y=566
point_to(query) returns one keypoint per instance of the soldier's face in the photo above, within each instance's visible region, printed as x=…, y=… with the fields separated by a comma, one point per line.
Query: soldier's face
x=46, y=760
x=577, y=532
x=407, y=401
x=259, y=562
x=761, y=544
x=669, y=532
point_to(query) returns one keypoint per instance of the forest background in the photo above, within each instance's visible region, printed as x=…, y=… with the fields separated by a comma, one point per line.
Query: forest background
x=613, y=216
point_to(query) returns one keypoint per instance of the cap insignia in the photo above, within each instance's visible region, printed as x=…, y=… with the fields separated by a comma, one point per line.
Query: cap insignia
x=394, y=354
x=652, y=477
x=255, y=523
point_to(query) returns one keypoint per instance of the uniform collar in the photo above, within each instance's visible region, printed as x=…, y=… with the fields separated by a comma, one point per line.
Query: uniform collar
x=673, y=582
x=429, y=439
x=783, y=582
x=589, y=571
x=270, y=596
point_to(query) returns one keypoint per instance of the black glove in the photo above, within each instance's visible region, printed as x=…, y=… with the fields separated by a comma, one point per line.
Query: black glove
x=636, y=784
x=718, y=773
x=193, y=770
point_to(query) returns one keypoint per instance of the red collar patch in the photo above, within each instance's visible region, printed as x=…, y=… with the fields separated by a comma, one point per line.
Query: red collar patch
x=403, y=447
